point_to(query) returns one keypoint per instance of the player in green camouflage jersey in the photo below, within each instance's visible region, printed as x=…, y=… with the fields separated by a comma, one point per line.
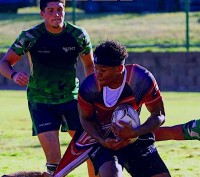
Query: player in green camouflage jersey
x=52, y=57
x=52, y=48
x=187, y=131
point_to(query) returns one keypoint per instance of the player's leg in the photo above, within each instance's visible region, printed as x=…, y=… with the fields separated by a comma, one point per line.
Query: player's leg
x=46, y=126
x=51, y=147
x=91, y=172
x=111, y=169
x=107, y=163
x=143, y=160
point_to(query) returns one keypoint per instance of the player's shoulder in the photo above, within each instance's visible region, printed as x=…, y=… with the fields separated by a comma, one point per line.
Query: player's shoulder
x=71, y=28
x=34, y=32
x=89, y=81
x=136, y=69
x=27, y=38
x=137, y=74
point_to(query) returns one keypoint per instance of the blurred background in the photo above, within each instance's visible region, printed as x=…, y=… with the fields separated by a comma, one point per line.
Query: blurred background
x=162, y=35
x=97, y=6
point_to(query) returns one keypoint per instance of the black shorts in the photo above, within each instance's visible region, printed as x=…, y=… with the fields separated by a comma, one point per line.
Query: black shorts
x=140, y=158
x=47, y=117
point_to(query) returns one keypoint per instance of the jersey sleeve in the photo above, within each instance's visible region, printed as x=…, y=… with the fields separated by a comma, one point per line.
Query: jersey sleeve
x=146, y=89
x=153, y=93
x=23, y=43
x=81, y=36
x=84, y=40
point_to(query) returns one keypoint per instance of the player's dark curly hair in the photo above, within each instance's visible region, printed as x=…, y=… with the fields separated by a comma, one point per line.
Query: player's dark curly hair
x=110, y=52
x=43, y=3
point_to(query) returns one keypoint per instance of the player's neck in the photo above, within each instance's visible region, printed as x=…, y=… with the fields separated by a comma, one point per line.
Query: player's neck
x=54, y=30
x=118, y=81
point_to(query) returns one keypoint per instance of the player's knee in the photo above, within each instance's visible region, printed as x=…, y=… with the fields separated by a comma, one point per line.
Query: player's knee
x=110, y=169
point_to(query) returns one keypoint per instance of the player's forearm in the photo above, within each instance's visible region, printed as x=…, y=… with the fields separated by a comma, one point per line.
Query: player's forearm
x=6, y=69
x=88, y=63
x=151, y=124
x=92, y=130
x=89, y=70
x=169, y=133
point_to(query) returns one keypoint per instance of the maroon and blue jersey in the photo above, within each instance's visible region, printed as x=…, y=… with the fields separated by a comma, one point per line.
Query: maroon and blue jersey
x=140, y=88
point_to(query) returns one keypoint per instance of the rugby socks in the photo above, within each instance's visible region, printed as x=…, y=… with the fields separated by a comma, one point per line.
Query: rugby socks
x=191, y=130
x=51, y=168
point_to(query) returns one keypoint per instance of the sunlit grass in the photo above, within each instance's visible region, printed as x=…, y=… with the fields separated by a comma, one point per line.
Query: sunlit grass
x=19, y=151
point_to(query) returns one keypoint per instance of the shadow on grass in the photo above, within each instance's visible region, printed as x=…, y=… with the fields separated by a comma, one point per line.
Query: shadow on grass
x=39, y=146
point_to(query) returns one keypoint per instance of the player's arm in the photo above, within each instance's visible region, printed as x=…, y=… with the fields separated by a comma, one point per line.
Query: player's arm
x=89, y=125
x=169, y=133
x=86, y=54
x=6, y=68
x=9, y=59
x=154, y=104
x=156, y=118
x=94, y=131
x=186, y=131
x=88, y=64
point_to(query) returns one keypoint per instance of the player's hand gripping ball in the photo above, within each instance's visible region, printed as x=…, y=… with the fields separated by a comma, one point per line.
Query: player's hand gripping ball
x=126, y=114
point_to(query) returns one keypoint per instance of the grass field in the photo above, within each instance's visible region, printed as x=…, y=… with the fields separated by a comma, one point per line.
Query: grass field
x=19, y=151
x=130, y=29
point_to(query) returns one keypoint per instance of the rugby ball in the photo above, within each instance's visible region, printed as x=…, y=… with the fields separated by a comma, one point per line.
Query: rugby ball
x=126, y=113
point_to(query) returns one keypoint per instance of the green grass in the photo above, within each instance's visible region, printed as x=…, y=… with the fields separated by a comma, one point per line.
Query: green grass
x=19, y=151
x=130, y=29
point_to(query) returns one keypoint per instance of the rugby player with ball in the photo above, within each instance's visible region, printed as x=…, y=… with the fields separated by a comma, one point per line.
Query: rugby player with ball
x=113, y=84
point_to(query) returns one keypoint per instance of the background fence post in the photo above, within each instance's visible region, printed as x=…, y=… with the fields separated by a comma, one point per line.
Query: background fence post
x=187, y=9
x=74, y=11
